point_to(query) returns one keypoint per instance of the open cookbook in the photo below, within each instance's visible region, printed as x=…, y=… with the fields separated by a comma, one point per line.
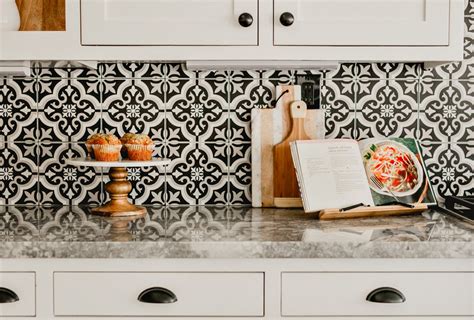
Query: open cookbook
x=342, y=172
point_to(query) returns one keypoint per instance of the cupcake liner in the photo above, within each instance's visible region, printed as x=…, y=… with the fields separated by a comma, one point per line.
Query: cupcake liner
x=139, y=152
x=107, y=152
x=90, y=151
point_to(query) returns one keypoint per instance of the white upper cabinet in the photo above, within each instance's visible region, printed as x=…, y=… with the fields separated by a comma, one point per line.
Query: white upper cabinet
x=361, y=22
x=264, y=31
x=169, y=22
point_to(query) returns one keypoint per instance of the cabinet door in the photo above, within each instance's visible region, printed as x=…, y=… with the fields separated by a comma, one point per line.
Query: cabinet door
x=169, y=22
x=361, y=22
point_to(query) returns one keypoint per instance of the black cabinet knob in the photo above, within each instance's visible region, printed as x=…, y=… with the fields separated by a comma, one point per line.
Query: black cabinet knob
x=386, y=295
x=8, y=296
x=245, y=20
x=287, y=19
x=157, y=295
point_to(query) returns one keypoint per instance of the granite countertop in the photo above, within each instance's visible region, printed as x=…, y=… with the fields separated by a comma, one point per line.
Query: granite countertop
x=227, y=232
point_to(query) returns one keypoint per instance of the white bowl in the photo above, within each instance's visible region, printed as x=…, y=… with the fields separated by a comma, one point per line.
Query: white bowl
x=418, y=166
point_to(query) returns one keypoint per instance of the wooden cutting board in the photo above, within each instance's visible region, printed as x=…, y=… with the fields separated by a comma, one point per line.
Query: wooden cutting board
x=270, y=127
x=42, y=15
x=285, y=185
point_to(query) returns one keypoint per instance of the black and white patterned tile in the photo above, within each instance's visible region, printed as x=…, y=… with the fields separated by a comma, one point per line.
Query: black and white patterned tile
x=170, y=71
x=69, y=113
x=355, y=72
x=229, y=75
x=469, y=16
x=450, y=168
x=197, y=177
x=339, y=108
x=448, y=114
x=240, y=175
x=394, y=70
x=256, y=94
x=18, y=173
x=198, y=113
x=65, y=184
x=468, y=7
x=201, y=119
x=282, y=76
x=133, y=108
x=18, y=112
x=389, y=110
x=122, y=70
x=64, y=69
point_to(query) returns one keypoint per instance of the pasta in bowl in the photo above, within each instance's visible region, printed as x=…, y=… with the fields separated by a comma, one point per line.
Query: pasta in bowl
x=395, y=166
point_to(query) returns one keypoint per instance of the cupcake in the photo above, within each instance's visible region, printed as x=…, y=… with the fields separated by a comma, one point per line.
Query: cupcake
x=139, y=147
x=90, y=141
x=126, y=137
x=104, y=147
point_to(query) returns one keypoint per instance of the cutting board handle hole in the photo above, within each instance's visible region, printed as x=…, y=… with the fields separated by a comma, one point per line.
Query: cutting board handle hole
x=274, y=102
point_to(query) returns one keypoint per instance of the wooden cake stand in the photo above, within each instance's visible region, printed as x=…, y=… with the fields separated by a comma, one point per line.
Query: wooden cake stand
x=118, y=187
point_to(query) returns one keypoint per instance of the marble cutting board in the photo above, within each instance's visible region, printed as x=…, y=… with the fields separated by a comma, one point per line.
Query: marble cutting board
x=270, y=127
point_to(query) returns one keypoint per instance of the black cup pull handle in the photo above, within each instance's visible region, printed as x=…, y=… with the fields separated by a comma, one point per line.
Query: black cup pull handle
x=8, y=296
x=287, y=19
x=245, y=20
x=386, y=295
x=157, y=295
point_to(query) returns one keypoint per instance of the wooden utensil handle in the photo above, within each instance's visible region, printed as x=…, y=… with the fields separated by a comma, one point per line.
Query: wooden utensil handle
x=298, y=110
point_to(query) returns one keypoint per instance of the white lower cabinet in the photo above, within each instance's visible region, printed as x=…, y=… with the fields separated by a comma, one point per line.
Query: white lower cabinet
x=394, y=294
x=173, y=294
x=233, y=289
x=17, y=294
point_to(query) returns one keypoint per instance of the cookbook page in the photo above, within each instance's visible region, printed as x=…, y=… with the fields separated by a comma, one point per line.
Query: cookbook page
x=332, y=174
x=398, y=166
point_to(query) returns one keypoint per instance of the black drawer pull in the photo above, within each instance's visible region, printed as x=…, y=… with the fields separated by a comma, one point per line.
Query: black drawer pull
x=8, y=296
x=386, y=295
x=287, y=19
x=157, y=295
x=245, y=20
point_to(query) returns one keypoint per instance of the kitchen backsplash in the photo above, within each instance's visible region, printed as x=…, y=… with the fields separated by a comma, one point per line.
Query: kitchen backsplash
x=201, y=120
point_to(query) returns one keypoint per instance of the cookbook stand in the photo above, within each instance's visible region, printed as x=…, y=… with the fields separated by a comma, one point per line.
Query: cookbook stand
x=118, y=187
x=378, y=211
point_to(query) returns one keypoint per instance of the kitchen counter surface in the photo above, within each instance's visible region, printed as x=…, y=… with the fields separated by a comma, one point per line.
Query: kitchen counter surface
x=227, y=232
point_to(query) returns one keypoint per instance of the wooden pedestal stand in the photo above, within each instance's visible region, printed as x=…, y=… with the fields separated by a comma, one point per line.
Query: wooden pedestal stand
x=118, y=187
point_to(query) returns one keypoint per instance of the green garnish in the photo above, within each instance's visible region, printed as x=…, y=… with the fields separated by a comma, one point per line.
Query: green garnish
x=373, y=147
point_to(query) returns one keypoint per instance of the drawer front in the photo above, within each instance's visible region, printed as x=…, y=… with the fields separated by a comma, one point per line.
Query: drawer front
x=198, y=294
x=23, y=286
x=344, y=294
x=165, y=22
x=362, y=23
